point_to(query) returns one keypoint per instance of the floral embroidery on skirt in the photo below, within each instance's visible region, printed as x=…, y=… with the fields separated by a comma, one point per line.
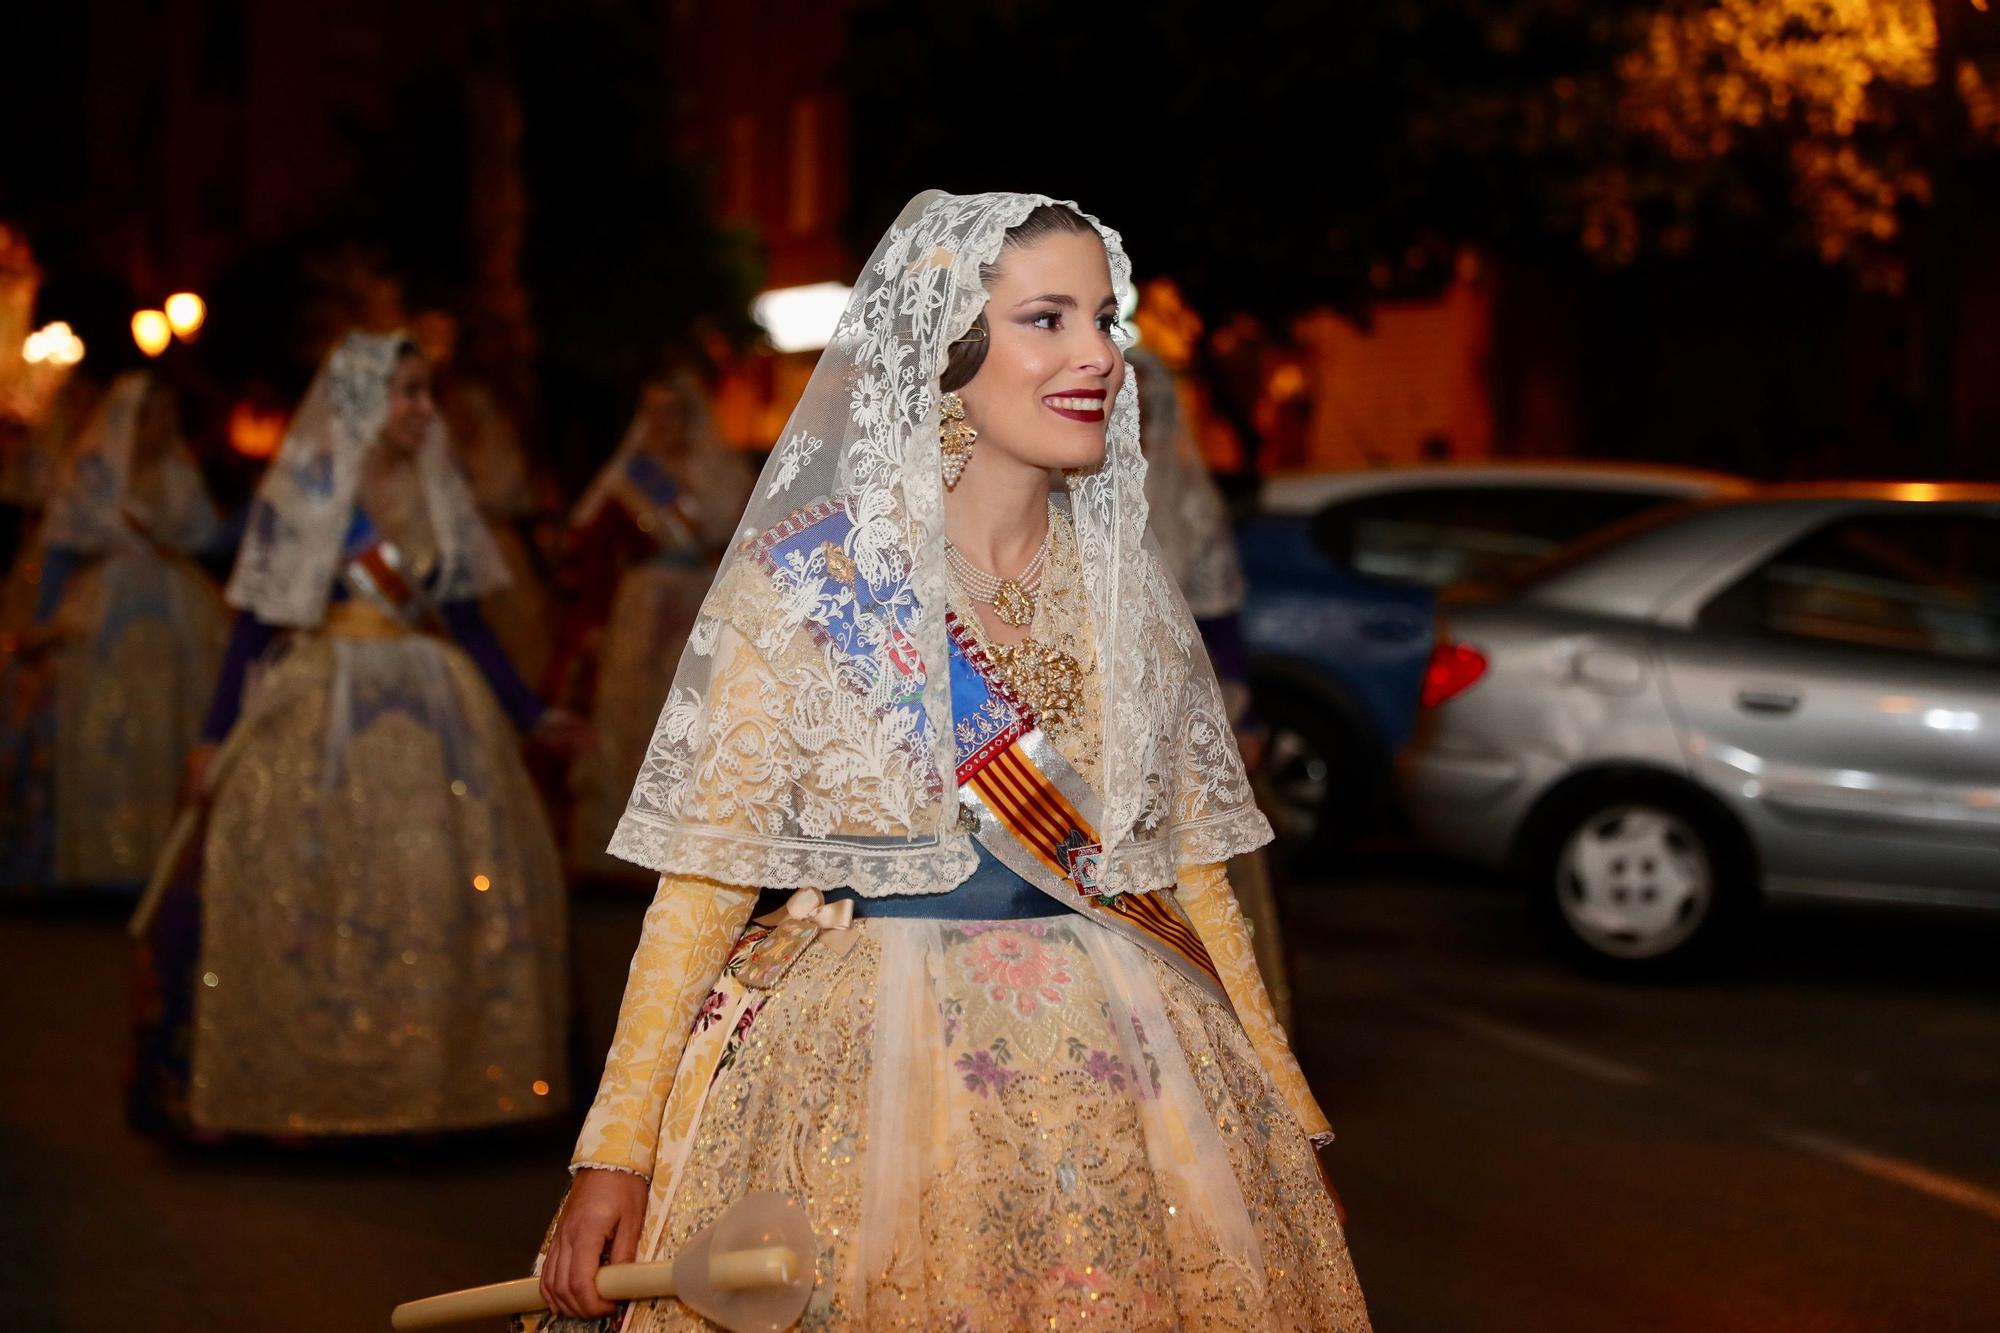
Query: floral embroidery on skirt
x=1070, y=1133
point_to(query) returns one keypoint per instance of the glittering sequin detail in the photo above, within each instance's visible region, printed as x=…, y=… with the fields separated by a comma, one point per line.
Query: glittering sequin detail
x=383, y=943
x=1081, y=1137
x=133, y=687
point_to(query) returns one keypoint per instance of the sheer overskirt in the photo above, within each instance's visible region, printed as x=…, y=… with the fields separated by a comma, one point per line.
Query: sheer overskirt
x=383, y=944
x=995, y=1125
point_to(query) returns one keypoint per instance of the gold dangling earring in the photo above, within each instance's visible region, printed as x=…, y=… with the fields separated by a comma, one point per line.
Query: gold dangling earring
x=954, y=439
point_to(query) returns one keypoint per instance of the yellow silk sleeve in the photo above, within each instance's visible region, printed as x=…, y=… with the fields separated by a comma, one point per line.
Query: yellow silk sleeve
x=689, y=931
x=1211, y=906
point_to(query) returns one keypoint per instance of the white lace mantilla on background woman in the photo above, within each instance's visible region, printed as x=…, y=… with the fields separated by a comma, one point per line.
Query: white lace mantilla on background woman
x=291, y=553
x=372, y=938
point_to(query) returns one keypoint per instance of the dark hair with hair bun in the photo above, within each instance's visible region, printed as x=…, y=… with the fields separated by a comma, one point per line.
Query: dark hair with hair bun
x=968, y=354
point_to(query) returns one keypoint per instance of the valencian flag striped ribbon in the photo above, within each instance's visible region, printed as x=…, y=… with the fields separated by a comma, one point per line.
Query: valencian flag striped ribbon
x=1032, y=811
x=1031, y=796
x=375, y=570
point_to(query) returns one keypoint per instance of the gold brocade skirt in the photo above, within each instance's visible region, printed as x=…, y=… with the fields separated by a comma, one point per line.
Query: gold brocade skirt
x=652, y=613
x=133, y=683
x=1000, y=1125
x=383, y=924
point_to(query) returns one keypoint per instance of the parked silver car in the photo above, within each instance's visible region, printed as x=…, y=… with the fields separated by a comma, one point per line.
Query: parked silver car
x=1795, y=693
x=1343, y=569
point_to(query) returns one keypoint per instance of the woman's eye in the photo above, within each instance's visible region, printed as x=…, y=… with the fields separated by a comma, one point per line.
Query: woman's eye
x=1109, y=324
x=1047, y=319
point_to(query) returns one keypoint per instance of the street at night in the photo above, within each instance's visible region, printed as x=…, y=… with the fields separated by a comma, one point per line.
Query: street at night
x=663, y=669
x=1801, y=1143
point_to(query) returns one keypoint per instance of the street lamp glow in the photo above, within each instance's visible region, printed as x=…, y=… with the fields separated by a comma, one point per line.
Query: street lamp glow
x=254, y=432
x=801, y=319
x=52, y=345
x=151, y=331
x=185, y=313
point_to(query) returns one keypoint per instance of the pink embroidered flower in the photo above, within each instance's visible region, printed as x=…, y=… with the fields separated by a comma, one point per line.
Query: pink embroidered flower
x=711, y=1009
x=983, y=1073
x=734, y=1041
x=1017, y=968
x=750, y=1013
x=1107, y=1068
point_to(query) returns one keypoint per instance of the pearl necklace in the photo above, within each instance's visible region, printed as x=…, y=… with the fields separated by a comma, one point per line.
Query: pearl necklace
x=1013, y=600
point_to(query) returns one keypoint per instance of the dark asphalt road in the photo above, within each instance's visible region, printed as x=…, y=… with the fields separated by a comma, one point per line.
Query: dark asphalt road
x=1808, y=1142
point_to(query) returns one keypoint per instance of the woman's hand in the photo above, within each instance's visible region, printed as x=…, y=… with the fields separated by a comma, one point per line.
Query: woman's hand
x=599, y=1224
x=194, y=773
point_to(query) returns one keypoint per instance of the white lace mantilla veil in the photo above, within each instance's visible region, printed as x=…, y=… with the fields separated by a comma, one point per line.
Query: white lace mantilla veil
x=807, y=738
x=1190, y=519
x=86, y=510
x=292, y=544
x=715, y=477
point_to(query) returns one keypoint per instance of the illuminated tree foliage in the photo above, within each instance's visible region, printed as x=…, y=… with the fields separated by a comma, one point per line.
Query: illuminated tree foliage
x=1628, y=127
x=1299, y=154
x=1844, y=95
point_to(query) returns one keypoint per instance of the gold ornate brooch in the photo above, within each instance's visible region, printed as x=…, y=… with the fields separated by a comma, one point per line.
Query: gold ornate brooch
x=1046, y=679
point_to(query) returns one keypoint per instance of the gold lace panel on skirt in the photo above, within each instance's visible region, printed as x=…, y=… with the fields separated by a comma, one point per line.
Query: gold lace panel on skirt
x=1003, y=1125
x=383, y=942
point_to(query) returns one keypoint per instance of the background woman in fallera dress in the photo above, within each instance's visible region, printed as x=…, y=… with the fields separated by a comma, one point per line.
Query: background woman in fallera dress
x=1190, y=523
x=643, y=540
x=1000, y=1034
x=504, y=489
x=110, y=680
x=372, y=938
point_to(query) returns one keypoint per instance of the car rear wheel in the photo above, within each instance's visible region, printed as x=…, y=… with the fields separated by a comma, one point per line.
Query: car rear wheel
x=1639, y=883
x=1318, y=779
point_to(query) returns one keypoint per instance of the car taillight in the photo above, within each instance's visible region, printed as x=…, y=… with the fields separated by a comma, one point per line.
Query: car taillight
x=1454, y=668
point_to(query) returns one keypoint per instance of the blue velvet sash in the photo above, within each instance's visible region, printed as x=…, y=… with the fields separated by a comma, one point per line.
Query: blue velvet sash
x=993, y=893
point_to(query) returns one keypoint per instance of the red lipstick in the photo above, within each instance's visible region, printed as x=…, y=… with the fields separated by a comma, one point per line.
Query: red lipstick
x=1076, y=404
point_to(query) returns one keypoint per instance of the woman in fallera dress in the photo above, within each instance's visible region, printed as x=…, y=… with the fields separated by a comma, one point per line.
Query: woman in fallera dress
x=504, y=489
x=372, y=938
x=1000, y=1034
x=109, y=682
x=31, y=463
x=643, y=543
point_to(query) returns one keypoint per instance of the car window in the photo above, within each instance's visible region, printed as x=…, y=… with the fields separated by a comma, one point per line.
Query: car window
x=1927, y=585
x=1485, y=534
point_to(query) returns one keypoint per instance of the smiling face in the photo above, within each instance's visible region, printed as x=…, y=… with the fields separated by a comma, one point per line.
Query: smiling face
x=1043, y=395
x=410, y=407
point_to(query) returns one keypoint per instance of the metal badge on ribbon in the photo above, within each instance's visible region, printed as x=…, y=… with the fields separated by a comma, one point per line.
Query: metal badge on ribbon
x=1038, y=818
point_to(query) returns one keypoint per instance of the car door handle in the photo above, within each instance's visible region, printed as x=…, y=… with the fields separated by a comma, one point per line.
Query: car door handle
x=1767, y=701
x=1398, y=626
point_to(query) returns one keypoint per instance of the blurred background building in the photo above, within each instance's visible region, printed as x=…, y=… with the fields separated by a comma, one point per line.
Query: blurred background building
x=1596, y=254
x=1722, y=233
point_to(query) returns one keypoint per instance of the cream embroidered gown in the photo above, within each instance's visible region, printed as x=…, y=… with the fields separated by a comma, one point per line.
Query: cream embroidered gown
x=992, y=1124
